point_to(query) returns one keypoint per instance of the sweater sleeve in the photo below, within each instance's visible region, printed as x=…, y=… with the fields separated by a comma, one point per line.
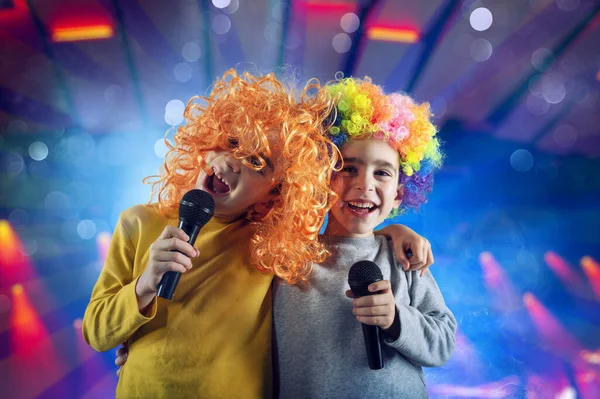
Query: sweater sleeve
x=112, y=316
x=427, y=326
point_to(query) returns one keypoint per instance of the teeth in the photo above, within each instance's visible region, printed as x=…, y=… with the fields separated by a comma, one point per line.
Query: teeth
x=366, y=205
x=220, y=178
x=222, y=181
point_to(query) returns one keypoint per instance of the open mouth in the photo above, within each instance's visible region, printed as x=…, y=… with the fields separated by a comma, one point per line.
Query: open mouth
x=215, y=185
x=361, y=207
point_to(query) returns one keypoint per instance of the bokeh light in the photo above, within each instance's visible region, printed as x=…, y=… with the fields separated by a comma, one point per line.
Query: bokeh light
x=12, y=164
x=565, y=136
x=191, y=52
x=553, y=88
x=220, y=24
x=174, y=112
x=17, y=126
x=19, y=217
x=537, y=105
x=233, y=6
x=86, y=229
x=160, y=148
x=183, y=72
x=57, y=200
x=521, y=160
x=341, y=43
x=481, y=19
x=350, y=22
x=480, y=50
x=541, y=58
x=38, y=151
x=221, y=3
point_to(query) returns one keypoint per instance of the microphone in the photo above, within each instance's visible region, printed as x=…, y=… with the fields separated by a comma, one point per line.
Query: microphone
x=195, y=210
x=361, y=275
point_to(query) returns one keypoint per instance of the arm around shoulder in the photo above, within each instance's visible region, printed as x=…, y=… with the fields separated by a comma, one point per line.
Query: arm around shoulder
x=427, y=327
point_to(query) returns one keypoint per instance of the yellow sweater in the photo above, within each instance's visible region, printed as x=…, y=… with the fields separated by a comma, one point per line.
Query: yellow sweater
x=212, y=340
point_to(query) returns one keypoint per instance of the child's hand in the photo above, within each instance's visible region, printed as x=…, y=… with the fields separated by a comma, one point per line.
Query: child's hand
x=412, y=251
x=122, y=354
x=377, y=309
x=164, y=257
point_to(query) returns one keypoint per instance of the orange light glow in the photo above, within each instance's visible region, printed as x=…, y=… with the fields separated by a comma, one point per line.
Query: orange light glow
x=591, y=268
x=14, y=265
x=33, y=351
x=17, y=289
x=7, y=236
x=77, y=33
x=389, y=34
x=28, y=330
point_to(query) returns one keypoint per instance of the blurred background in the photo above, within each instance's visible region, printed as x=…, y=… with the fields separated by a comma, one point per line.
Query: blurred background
x=88, y=89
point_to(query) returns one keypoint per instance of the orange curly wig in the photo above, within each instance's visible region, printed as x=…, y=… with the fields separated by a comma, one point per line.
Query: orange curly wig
x=259, y=113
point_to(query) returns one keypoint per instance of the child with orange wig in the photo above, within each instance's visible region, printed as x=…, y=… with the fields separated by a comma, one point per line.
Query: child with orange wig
x=262, y=156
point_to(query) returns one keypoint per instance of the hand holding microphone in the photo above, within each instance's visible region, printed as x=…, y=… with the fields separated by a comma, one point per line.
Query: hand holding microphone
x=171, y=253
x=374, y=308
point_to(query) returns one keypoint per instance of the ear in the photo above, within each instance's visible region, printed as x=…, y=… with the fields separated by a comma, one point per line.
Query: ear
x=399, y=196
x=261, y=209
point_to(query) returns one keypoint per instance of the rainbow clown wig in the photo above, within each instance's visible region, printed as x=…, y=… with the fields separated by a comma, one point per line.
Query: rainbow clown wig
x=365, y=111
x=249, y=116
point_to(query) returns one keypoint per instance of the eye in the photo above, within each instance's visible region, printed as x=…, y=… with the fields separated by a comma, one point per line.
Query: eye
x=349, y=169
x=383, y=173
x=233, y=143
x=254, y=161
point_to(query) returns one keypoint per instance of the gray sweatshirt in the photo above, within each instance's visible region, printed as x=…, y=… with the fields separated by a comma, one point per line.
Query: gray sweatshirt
x=319, y=346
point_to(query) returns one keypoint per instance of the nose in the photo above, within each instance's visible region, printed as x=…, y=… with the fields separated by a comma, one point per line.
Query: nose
x=364, y=182
x=233, y=163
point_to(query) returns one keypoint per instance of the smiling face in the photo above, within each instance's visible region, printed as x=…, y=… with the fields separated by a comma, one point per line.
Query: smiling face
x=367, y=187
x=235, y=187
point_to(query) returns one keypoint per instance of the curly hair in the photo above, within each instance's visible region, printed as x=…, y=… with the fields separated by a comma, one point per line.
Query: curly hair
x=259, y=114
x=365, y=111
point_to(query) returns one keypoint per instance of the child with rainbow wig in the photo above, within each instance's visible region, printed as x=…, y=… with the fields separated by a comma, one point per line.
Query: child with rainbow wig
x=262, y=156
x=389, y=149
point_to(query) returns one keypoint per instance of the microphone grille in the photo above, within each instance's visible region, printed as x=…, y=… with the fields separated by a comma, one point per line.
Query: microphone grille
x=361, y=275
x=197, y=207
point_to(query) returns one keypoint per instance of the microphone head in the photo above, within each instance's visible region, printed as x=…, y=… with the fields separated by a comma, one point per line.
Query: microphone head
x=361, y=275
x=196, y=207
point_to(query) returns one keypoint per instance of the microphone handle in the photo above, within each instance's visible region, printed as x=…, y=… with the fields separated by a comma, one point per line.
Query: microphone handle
x=373, y=345
x=169, y=280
